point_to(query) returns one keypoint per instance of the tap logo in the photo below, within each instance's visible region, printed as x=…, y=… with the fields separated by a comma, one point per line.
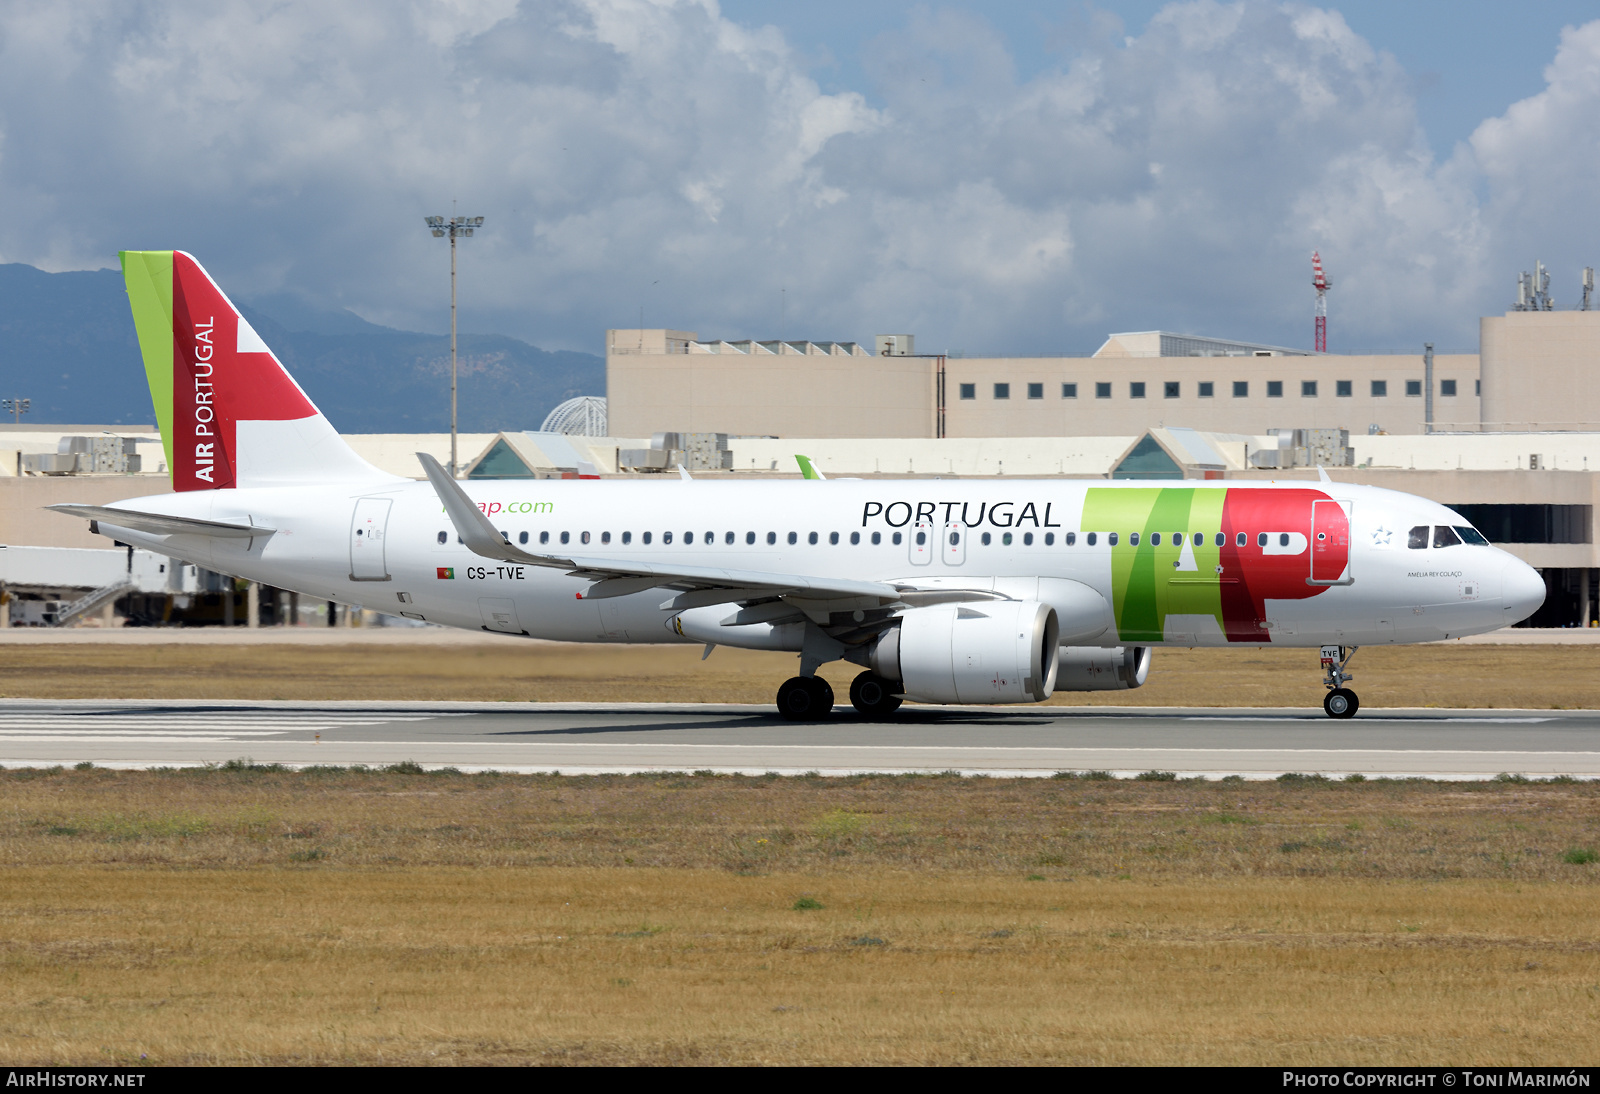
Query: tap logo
x=447, y=573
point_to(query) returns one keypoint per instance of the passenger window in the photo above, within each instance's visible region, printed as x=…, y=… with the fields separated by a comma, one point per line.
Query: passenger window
x=1283, y=539
x=955, y=538
x=584, y=537
x=605, y=537
x=1471, y=535
x=1177, y=539
x=1027, y=539
x=522, y=537
x=1112, y=539
x=1093, y=536
x=710, y=537
x=1261, y=539
x=986, y=539
x=666, y=537
x=772, y=537
x=1071, y=538
x=627, y=538
x=922, y=539
x=833, y=538
x=1049, y=539
x=1155, y=539
x=1133, y=539
x=793, y=538
x=896, y=538
x=1417, y=538
x=750, y=537
x=728, y=538
x=1443, y=536
x=1240, y=540
x=877, y=538
x=544, y=537
x=855, y=538
x=1005, y=539
x=444, y=537
x=688, y=537
x=646, y=539
x=1222, y=540
x=812, y=539
x=566, y=537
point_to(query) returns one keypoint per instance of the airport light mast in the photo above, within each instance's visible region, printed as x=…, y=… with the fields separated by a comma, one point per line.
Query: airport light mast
x=454, y=227
x=1320, y=282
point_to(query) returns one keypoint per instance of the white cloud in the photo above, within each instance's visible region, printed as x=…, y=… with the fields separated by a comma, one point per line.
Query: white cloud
x=652, y=153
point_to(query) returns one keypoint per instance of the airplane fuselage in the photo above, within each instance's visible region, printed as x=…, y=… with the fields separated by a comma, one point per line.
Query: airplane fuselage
x=1177, y=562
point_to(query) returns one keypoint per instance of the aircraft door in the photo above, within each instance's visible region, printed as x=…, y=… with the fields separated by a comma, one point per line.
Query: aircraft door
x=1330, y=543
x=921, y=540
x=368, y=529
x=953, y=547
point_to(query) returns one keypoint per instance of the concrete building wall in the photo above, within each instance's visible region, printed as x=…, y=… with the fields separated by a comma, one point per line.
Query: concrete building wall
x=761, y=392
x=1541, y=370
x=1083, y=408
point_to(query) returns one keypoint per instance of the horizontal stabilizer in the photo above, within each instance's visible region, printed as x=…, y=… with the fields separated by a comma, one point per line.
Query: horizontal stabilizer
x=159, y=524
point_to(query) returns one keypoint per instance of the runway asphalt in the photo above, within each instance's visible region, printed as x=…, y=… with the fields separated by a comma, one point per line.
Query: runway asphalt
x=1018, y=741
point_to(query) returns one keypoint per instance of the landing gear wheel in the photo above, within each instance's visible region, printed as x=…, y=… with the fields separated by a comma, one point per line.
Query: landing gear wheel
x=1341, y=703
x=804, y=698
x=874, y=696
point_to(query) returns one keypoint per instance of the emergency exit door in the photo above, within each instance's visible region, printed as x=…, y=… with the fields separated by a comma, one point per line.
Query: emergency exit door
x=368, y=530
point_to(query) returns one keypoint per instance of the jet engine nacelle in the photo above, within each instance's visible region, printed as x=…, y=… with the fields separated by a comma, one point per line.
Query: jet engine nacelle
x=998, y=651
x=1087, y=668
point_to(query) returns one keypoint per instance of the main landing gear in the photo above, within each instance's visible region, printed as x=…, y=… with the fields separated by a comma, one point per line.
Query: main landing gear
x=807, y=698
x=1340, y=702
x=803, y=698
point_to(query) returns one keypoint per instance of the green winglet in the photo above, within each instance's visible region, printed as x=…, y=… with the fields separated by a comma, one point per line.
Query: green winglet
x=807, y=470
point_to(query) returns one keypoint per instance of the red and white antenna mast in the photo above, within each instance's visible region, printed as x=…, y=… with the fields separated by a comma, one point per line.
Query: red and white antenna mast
x=1320, y=282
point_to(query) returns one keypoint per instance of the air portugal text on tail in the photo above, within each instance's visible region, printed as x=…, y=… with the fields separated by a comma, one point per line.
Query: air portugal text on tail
x=228, y=411
x=942, y=591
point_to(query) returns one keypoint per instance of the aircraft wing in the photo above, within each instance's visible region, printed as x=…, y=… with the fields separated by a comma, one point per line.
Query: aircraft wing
x=619, y=577
x=159, y=524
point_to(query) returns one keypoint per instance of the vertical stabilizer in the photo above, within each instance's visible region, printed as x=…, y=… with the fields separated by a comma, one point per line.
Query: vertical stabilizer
x=229, y=412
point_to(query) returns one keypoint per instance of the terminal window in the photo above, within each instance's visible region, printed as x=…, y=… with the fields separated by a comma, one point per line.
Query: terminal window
x=1102, y=391
x=1069, y=391
x=1342, y=388
x=969, y=391
x=1136, y=390
x=1414, y=387
x=1380, y=389
x=1171, y=387
x=1274, y=389
x=1308, y=389
x=1447, y=387
x=1036, y=391
x=1241, y=389
x=1207, y=389
x=1002, y=391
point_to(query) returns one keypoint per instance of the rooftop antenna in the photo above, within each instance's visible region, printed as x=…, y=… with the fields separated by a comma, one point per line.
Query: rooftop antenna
x=1320, y=282
x=1533, y=290
x=1588, y=287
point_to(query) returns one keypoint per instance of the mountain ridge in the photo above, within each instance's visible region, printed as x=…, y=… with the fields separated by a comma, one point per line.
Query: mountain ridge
x=67, y=343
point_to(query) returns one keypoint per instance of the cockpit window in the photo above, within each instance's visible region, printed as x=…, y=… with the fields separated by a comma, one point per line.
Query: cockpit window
x=1471, y=535
x=1444, y=536
x=1418, y=538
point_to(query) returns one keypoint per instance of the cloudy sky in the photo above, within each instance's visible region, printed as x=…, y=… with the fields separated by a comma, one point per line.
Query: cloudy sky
x=1012, y=183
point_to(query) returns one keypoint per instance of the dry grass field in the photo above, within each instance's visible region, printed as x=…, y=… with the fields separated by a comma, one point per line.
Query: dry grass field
x=1443, y=675
x=346, y=916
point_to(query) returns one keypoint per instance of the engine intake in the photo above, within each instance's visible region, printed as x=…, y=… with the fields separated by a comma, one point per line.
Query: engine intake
x=1000, y=651
x=1087, y=668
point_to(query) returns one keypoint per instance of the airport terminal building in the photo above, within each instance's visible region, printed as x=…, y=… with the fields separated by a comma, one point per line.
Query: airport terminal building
x=1509, y=435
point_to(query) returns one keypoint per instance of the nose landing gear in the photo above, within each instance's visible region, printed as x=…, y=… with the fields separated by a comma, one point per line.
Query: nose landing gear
x=1340, y=702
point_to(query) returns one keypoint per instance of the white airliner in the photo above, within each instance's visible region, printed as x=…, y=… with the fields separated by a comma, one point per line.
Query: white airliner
x=943, y=591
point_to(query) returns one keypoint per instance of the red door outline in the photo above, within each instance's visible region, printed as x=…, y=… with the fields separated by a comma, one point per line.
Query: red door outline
x=1330, y=544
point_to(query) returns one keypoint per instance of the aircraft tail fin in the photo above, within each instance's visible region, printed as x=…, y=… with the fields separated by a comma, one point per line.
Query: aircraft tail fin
x=230, y=414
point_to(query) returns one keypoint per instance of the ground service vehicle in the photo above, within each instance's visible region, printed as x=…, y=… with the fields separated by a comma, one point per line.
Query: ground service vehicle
x=943, y=591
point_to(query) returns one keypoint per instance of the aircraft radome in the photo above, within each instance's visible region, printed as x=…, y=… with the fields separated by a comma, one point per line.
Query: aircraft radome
x=943, y=591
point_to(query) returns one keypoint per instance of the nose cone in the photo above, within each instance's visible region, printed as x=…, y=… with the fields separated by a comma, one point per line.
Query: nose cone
x=1522, y=590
